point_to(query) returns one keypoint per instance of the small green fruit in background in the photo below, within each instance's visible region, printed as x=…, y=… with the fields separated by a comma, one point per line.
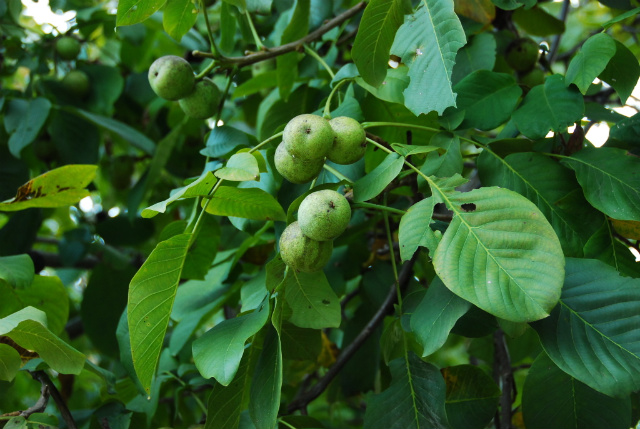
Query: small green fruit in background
x=296, y=170
x=533, y=78
x=522, y=54
x=171, y=77
x=301, y=253
x=68, y=48
x=349, y=143
x=202, y=103
x=324, y=215
x=77, y=83
x=308, y=136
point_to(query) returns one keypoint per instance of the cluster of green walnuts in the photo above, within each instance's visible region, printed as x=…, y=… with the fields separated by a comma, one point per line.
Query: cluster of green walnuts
x=308, y=139
x=76, y=82
x=306, y=245
x=172, y=78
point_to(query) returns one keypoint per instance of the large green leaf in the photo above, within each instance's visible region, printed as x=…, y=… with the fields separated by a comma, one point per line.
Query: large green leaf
x=551, y=106
x=415, y=399
x=487, y=99
x=610, y=180
x=10, y=362
x=500, y=253
x=63, y=186
x=372, y=184
x=414, y=230
x=435, y=316
x=428, y=42
x=622, y=72
x=604, y=246
x=248, y=203
x=553, y=399
x=199, y=187
x=590, y=61
x=445, y=165
x=28, y=328
x=240, y=167
x=218, y=352
x=151, y=294
x=31, y=121
x=472, y=397
x=592, y=334
x=17, y=270
x=549, y=186
x=134, y=11
x=478, y=54
x=312, y=301
x=378, y=26
x=178, y=17
x=266, y=386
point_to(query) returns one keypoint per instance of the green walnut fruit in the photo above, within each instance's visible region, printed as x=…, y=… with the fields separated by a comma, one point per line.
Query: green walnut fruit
x=77, y=83
x=349, y=143
x=308, y=136
x=294, y=169
x=68, y=48
x=522, y=54
x=533, y=78
x=324, y=215
x=171, y=77
x=301, y=253
x=202, y=103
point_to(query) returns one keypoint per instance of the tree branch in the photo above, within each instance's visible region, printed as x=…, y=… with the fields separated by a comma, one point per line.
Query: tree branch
x=230, y=62
x=553, y=51
x=305, y=398
x=43, y=378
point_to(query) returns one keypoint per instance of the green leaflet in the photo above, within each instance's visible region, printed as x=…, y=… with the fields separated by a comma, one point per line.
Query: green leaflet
x=592, y=333
x=374, y=183
x=28, y=328
x=178, y=17
x=435, y=316
x=590, y=61
x=29, y=125
x=428, y=42
x=472, y=397
x=414, y=230
x=10, y=362
x=500, y=253
x=551, y=106
x=415, y=399
x=378, y=26
x=134, y=11
x=199, y=187
x=151, y=294
x=63, y=186
x=312, y=301
x=17, y=270
x=553, y=399
x=610, y=180
x=248, y=203
x=218, y=352
x=267, y=383
x=622, y=72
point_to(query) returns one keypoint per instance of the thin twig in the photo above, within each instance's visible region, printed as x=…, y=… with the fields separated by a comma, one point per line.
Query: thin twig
x=556, y=41
x=305, y=398
x=503, y=376
x=40, y=404
x=230, y=62
x=43, y=378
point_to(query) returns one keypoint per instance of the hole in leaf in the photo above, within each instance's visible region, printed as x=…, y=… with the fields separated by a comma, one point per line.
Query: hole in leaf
x=469, y=207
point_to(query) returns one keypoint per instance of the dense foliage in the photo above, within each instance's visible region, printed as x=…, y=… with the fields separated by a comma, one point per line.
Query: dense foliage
x=467, y=264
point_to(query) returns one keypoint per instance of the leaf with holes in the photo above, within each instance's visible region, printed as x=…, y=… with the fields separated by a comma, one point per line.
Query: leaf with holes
x=313, y=303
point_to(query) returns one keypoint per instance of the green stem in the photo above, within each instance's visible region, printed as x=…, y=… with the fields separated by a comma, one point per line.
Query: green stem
x=378, y=207
x=193, y=394
x=194, y=228
x=256, y=38
x=318, y=58
x=286, y=424
x=214, y=50
x=378, y=145
x=260, y=145
x=327, y=106
x=207, y=70
x=336, y=173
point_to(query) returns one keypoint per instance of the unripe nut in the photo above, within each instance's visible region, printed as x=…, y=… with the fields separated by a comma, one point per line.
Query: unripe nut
x=202, y=103
x=301, y=253
x=171, y=77
x=308, y=136
x=294, y=169
x=324, y=215
x=522, y=54
x=77, y=83
x=349, y=143
x=68, y=48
